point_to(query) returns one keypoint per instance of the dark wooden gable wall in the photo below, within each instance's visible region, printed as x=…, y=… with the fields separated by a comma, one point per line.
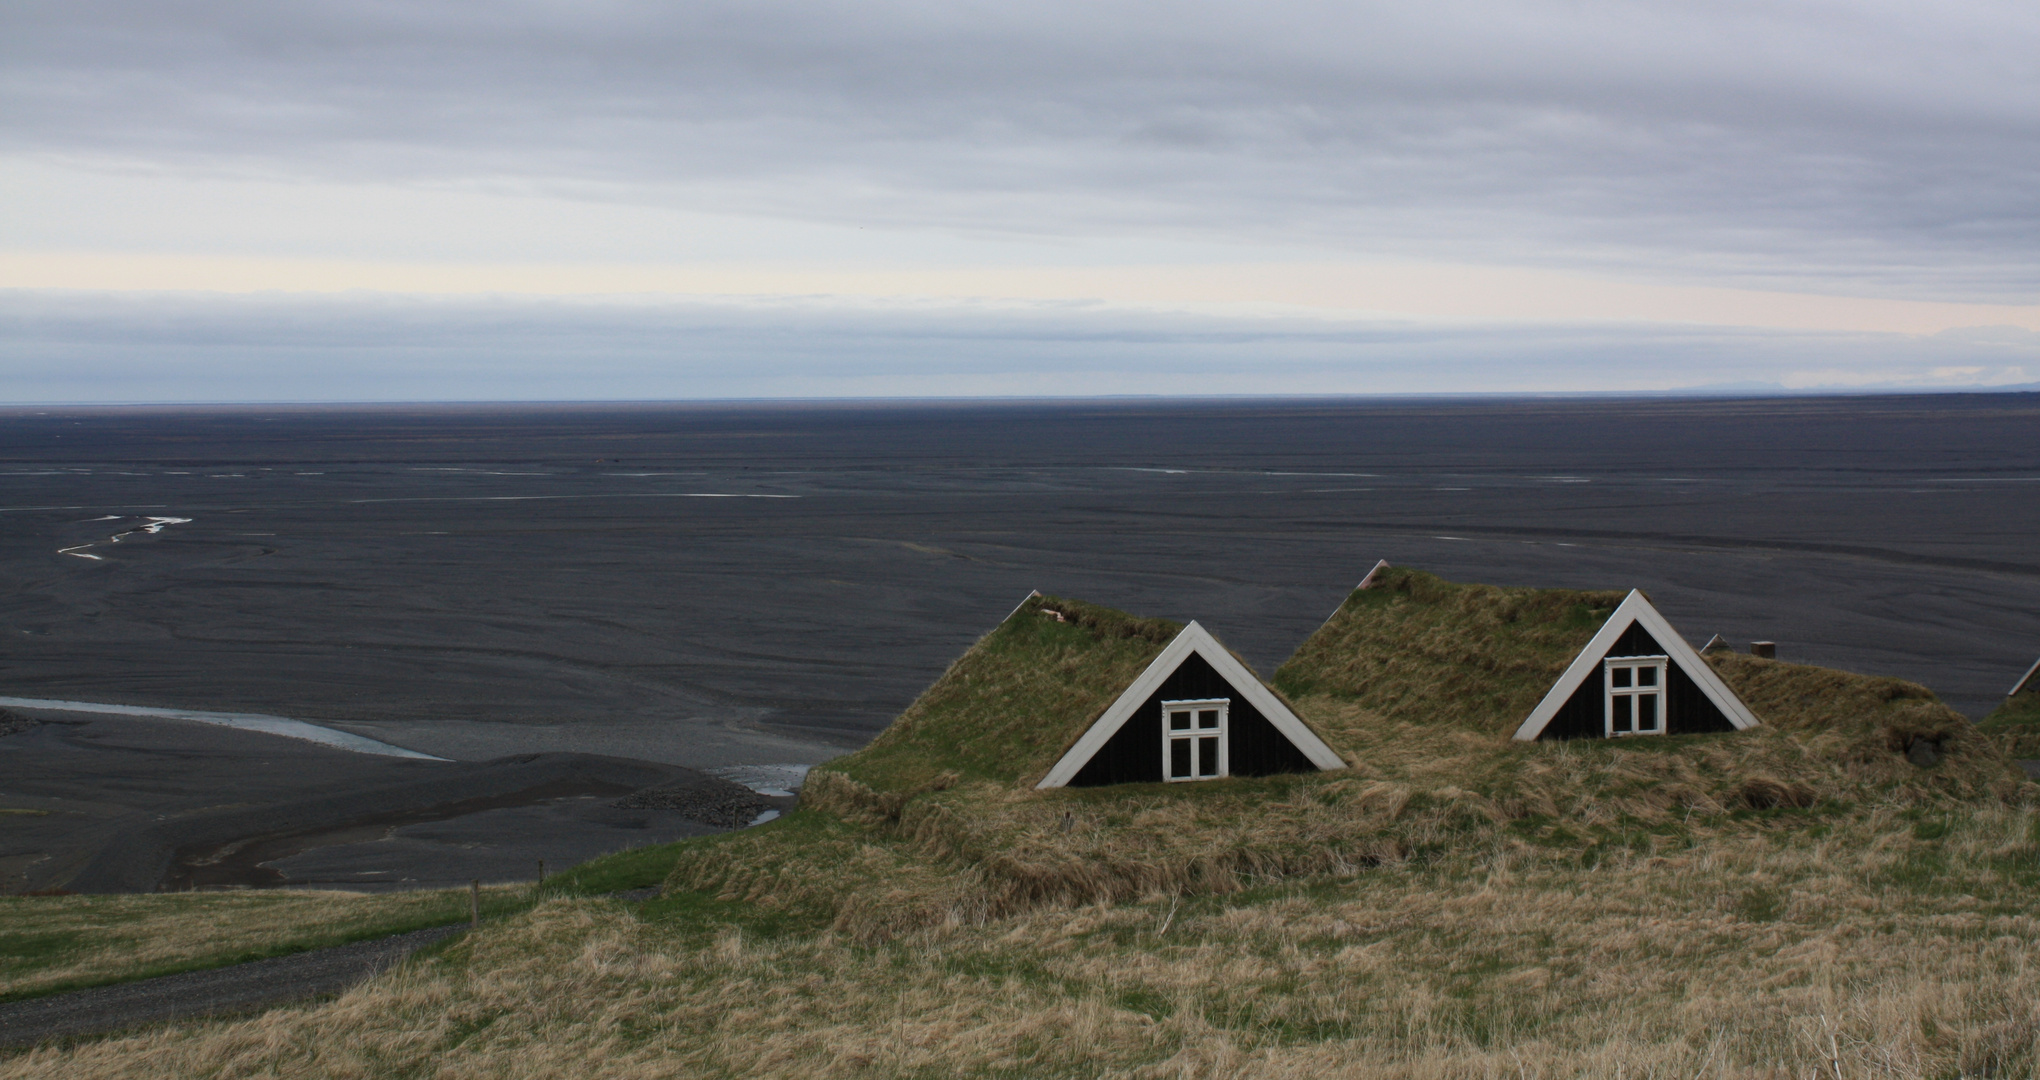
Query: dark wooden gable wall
x=1134, y=755
x=1687, y=710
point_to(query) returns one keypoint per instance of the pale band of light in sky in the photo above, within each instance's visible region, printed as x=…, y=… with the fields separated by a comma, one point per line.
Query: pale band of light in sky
x=1409, y=291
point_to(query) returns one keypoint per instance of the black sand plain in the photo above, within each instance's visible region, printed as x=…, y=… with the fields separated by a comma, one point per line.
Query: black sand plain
x=716, y=585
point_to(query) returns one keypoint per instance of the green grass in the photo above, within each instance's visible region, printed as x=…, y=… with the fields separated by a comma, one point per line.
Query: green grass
x=1009, y=707
x=2015, y=725
x=620, y=871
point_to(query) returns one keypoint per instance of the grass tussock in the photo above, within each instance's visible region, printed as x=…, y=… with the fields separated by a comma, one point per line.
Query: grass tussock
x=2014, y=727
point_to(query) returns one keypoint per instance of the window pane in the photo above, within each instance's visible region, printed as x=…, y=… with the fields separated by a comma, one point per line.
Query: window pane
x=1208, y=718
x=1646, y=712
x=1207, y=757
x=1646, y=676
x=1179, y=758
x=1621, y=705
x=1179, y=721
x=1619, y=677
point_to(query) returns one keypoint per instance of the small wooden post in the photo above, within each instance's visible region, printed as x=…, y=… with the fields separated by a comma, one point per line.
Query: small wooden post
x=474, y=903
x=541, y=871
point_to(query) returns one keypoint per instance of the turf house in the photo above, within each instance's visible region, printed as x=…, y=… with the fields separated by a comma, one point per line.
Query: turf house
x=1068, y=694
x=1636, y=676
x=1530, y=663
x=1195, y=713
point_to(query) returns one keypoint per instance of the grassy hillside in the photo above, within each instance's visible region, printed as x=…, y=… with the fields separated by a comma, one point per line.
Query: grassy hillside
x=1811, y=897
x=1893, y=937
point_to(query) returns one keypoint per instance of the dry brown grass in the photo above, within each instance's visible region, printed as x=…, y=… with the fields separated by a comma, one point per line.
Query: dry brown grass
x=1899, y=943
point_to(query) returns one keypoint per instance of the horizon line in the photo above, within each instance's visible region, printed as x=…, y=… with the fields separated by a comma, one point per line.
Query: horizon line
x=1740, y=393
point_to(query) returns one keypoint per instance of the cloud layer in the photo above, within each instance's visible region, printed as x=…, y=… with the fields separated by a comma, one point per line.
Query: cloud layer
x=1864, y=147
x=81, y=347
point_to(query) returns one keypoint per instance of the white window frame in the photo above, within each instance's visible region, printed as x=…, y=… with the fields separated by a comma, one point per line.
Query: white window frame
x=1609, y=693
x=1191, y=734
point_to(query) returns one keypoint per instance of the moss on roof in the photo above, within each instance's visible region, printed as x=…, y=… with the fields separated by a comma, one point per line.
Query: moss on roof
x=1008, y=708
x=1415, y=648
x=2015, y=725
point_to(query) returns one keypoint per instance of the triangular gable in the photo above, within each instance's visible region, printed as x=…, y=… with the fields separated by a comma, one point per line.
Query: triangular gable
x=2027, y=682
x=1716, y=642
x=1193, y=640
x=1636, y=609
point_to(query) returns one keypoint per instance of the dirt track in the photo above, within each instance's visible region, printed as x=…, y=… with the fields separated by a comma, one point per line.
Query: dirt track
x=240, y=988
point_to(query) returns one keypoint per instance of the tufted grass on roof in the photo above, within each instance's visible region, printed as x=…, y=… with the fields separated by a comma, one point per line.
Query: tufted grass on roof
x=1008, y=708
x=2015, y=725
x=1415, y=648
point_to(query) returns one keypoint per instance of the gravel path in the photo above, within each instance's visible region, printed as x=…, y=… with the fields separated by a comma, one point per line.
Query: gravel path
x=239, y=988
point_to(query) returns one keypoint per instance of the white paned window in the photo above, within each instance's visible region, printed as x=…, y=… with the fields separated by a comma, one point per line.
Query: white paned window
x=1636, y=695
x=1193, y=739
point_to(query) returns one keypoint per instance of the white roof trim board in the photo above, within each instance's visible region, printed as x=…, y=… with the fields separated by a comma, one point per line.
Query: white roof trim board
x=1365, y=583
x=1636, y=608
x=1031, y=594
x=2027, y=679
x=1194, y=638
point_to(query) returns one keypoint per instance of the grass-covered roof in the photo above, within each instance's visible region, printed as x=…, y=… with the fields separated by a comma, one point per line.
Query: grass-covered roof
x=2015, y=725
x=1416, y=653
x=1414, y=647
x=1008, y=708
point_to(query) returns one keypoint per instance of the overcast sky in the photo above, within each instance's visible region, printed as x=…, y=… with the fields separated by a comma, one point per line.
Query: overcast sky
x=378, y=201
